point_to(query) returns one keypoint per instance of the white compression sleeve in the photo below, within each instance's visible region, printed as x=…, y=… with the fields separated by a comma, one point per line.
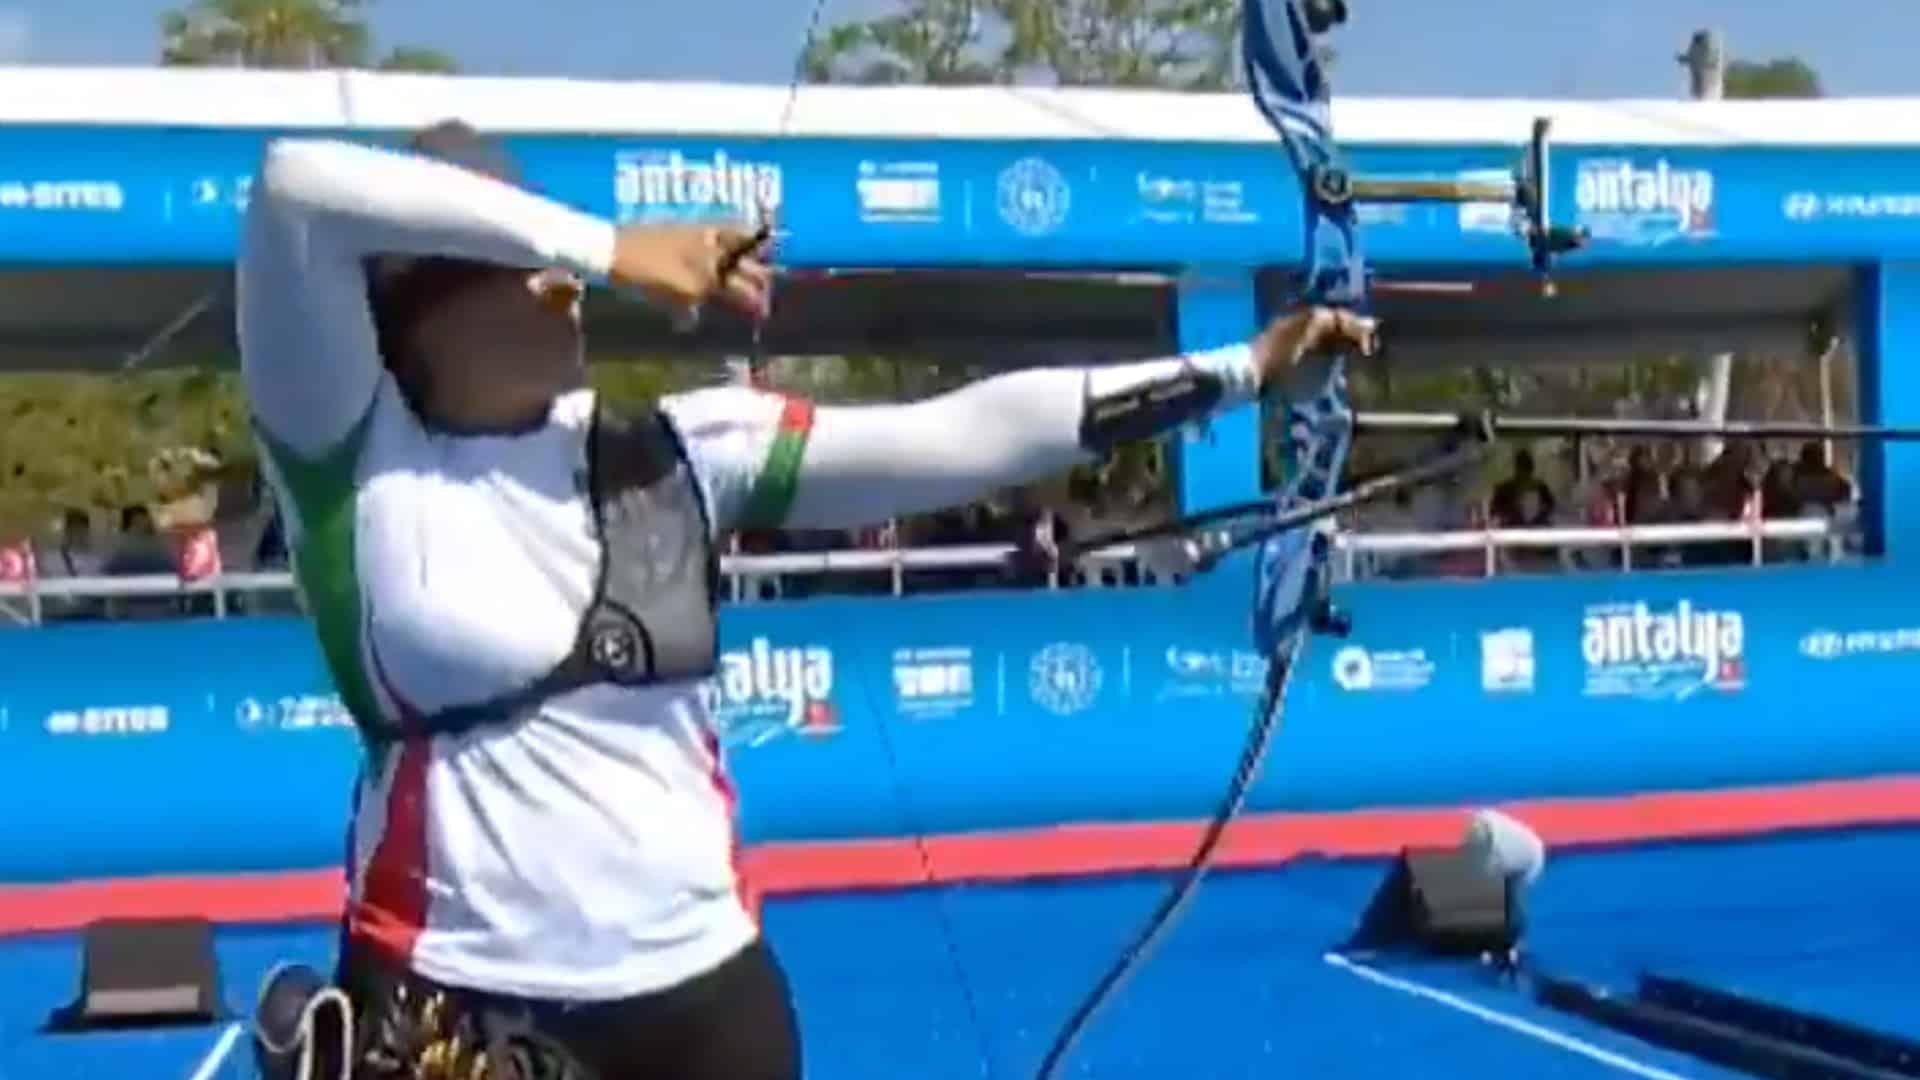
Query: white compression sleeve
x=319, y=210
x=866, y=464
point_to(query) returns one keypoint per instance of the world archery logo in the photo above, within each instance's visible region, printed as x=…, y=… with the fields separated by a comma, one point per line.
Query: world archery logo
x=1033, y=197
x=1628, y=202
x=1065, y=678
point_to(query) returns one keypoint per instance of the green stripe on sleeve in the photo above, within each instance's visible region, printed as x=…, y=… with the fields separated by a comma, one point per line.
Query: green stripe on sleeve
x=779, y=478
x=325, y=565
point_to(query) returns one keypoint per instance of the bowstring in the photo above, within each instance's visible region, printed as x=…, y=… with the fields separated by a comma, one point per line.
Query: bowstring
x=909, y=818
x=757, y=356
x=1268, y=714
x=1291, y=563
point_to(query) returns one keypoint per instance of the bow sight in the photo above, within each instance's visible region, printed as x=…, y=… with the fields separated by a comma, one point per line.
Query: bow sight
x=1527, y=192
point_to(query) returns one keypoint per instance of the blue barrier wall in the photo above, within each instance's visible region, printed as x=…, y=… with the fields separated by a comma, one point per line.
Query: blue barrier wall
x=216, y=746
x=103, y=194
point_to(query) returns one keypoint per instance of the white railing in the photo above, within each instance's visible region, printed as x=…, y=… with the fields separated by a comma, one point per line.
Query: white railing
x=756, y=577
x=1825, y=533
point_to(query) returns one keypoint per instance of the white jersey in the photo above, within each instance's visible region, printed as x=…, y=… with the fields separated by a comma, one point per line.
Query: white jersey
x=584, y=852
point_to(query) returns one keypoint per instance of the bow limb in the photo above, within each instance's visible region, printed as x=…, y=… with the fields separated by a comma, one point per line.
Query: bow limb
x=1289, y=87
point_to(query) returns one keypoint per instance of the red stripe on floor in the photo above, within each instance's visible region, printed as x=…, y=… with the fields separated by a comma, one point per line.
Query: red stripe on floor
x=1067, y=851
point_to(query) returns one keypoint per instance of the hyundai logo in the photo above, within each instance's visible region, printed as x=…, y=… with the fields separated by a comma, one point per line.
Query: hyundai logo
x=1822, y=645
x=1801, y=206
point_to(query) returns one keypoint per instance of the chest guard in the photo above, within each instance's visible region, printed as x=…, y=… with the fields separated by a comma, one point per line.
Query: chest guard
x=654, y=613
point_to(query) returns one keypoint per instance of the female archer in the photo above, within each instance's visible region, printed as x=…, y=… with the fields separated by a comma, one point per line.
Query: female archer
x=514, y=584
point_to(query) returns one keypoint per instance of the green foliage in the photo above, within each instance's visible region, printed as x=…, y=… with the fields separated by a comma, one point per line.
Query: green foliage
x=927, y=42
x=1182, y=44
x=414, y=58
x=92, y=441
x=1176, y=44
x=1785, y=77
x=282, y=34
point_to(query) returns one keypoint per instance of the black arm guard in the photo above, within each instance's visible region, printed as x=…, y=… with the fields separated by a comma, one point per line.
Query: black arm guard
x=1148, y=409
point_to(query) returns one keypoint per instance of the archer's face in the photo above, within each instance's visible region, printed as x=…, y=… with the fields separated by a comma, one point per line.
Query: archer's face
x=500, y=333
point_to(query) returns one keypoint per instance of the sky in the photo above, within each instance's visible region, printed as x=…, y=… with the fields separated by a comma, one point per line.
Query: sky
x=1475, y=48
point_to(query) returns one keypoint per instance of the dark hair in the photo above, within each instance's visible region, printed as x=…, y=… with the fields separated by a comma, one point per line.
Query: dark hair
x=400, y=288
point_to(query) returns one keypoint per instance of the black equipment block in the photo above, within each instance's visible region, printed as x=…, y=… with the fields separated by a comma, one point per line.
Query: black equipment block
x=144, y=973
x=1441, y=900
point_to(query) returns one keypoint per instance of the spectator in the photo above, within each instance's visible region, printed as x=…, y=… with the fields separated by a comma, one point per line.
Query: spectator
x=1647, y=504
x=1686, y=496
x=78, y=554
x=1727, y=491
x=1779, y=492
x=271, y=552
x=1532, y=509
x=1728, y=484
x=1600, y=500
x=1817, y=483
x=1447, y=507
x=140, y=549
x=1646, y=499
x=18, y=565
x=1522, y=500
x=1396, y=516
x=1641, y=479
x=1687, y=503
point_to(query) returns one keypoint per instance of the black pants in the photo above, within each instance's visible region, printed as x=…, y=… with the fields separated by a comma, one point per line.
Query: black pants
x=736, y=1022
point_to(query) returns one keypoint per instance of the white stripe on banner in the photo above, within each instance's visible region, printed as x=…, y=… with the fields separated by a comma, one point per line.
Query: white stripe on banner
x=217, y=1056
x=1499, y=1019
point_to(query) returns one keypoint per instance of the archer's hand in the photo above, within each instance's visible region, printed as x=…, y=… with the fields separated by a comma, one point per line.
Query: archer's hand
x=683, y=267
x=1304, y=332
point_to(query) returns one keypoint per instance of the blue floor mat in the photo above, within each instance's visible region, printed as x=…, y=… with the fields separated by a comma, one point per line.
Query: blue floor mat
x=1241, y=989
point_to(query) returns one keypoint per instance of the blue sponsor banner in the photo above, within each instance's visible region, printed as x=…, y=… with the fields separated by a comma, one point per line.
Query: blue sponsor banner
x=153, y=195
x=112, y=195
x=218, y=746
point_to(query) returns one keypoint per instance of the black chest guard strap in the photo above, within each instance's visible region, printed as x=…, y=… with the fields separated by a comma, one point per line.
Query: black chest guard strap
x=654, y=613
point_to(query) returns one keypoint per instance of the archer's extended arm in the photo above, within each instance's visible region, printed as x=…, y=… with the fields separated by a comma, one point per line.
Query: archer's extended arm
x=771, y=461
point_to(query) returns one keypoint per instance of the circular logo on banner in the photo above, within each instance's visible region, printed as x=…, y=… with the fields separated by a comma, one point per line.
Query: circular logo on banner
x=1353, y=668
x=1034, y=197
x=1064, y=678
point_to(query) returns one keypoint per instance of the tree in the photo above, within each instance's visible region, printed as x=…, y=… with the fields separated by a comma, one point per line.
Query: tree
x=417, y=59
x=265, y=33
x=1785, y=77
x=281, y=34
x=1172, y=44
x=928, y=42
